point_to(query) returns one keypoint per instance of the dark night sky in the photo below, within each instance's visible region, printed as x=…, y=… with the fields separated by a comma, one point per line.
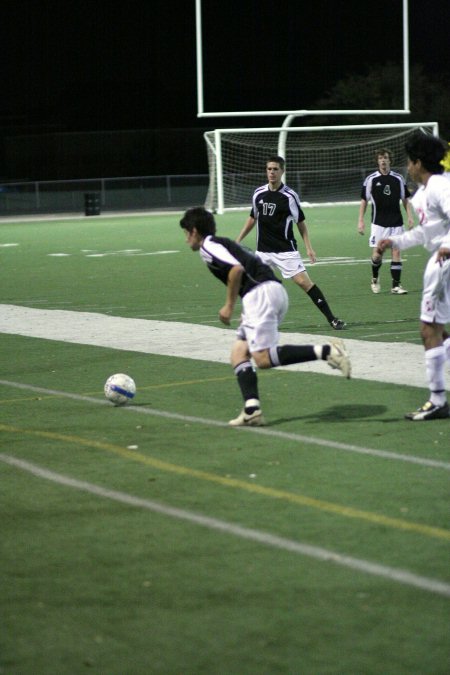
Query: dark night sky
x=85, y=66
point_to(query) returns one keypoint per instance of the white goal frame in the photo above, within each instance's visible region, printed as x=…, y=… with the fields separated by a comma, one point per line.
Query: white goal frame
x=343, y=154
x=201, y=112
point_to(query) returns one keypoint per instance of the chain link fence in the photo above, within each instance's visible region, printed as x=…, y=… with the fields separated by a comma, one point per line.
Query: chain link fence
x=103, y=195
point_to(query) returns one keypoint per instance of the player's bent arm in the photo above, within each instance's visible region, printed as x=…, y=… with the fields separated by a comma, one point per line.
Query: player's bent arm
x=249, y=225
x=409, y=238
x=233, y=286
x=409, y=213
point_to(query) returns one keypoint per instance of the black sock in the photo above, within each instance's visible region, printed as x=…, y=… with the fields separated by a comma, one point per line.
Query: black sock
x=318, y=299
x=326, y=349
x=288, y=354
x=396, y=273
x=247, y=381
x=376, y=264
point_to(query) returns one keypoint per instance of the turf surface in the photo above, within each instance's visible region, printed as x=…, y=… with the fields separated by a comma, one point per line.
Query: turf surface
x=94, y=584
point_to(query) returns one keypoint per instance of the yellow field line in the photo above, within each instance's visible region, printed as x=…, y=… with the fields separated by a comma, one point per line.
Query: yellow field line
x=303, y=500
x=186, y=382
x=166, y=385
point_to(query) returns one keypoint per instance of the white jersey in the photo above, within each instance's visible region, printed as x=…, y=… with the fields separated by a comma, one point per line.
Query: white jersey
x=432, y=205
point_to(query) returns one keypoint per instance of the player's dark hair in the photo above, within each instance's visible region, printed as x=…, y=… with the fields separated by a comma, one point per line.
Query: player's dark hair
x=429, y=149
x=276, y=158
x=201, y=219
x=384, y=151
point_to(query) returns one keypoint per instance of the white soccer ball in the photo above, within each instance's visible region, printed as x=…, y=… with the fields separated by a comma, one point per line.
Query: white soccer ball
x=120, y=388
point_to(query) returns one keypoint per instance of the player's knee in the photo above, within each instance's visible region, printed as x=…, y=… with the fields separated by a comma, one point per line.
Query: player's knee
x=303, y=281
x=262, y=359
x=239, y=352
x=431, y=334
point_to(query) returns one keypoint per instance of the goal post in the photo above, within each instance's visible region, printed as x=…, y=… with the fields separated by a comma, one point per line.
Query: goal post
x=324, y=164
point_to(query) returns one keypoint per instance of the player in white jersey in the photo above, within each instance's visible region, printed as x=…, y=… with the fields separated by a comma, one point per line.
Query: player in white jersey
x=432, y=205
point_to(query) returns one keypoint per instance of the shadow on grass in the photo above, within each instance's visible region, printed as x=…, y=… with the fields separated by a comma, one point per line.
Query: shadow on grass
x=337, y=413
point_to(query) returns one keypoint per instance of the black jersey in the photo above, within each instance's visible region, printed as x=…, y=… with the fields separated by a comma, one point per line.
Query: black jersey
x=221, y=254
x=384, y=192
x=276, y=212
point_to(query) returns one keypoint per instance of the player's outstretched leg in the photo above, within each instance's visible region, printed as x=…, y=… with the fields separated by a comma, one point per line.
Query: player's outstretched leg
x=339, y=359
x=333, y=352
x=321, y=303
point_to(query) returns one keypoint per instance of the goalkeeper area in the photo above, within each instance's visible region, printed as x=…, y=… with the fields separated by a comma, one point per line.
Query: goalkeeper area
x=324, y=164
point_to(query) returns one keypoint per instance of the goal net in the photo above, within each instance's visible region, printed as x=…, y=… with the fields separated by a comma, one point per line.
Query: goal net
x=323, y=164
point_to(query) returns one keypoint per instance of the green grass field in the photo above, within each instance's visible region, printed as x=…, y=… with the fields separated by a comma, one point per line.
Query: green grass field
x=153, y=539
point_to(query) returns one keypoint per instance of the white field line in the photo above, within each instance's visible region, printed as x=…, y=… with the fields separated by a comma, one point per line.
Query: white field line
x=265, y=538
x=396, y=363
x=262, y=431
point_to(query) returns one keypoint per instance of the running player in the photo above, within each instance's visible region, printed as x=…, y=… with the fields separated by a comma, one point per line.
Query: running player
x=264, y=304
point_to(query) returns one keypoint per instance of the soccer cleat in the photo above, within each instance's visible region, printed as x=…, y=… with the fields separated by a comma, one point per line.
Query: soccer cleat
x=429, y=411
x=337, y=324
x=338, y=358
x=398, y=290
x=375, y=286
x=254, y=419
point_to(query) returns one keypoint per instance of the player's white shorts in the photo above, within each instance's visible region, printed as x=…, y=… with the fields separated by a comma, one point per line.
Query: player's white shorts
x=289, y=263
x=435, y=305
x=377, y=233
x=263, y=309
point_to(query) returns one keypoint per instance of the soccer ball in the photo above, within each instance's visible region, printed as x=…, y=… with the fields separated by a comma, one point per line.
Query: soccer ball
x=120, y=388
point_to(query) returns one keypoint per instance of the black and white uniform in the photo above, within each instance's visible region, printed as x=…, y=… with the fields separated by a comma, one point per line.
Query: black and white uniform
x=385, y=192
x=264, y=300
x=276, y=212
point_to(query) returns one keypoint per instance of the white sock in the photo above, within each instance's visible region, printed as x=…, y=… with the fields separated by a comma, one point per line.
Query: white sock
x=318, y=351
x=434, y=363
x=447, y=348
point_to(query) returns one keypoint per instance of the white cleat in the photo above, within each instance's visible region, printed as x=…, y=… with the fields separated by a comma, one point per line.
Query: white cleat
x=399, y=290
x=375, y=286
x=339, y=359
x=254, y=419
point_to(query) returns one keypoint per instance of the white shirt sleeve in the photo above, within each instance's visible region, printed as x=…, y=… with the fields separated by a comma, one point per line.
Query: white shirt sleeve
x=410, y=238
x=432, y=206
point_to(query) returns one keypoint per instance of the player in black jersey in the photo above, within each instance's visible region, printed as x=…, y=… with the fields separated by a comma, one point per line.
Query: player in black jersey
x=384, y=189
x=264, y=305
x=275, y=210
